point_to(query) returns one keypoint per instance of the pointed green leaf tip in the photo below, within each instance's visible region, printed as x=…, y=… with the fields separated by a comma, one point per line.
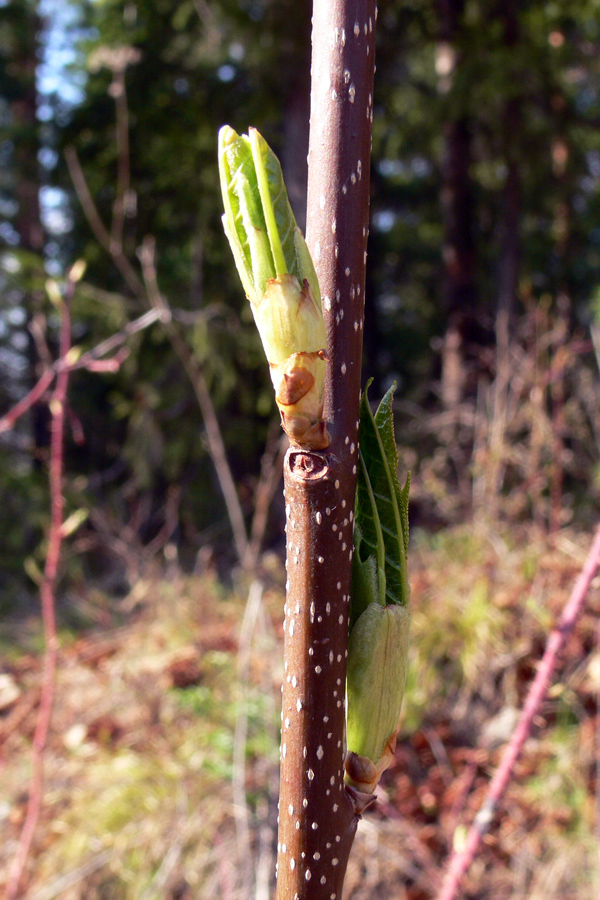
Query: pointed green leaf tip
x=381, y=530
x=279, y=278
x=258, y=221
x=379, y=615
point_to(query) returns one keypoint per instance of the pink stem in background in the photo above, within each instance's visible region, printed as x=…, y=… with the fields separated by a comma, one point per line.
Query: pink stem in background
x=461, y=860
x=7, y=421
x=48, y=588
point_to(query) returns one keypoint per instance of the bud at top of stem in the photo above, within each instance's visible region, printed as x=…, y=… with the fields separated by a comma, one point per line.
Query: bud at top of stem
x=279, y=278
x=258, y=221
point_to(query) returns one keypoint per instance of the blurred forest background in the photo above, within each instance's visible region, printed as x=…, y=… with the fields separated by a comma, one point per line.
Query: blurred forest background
x=482, y=303
x=484, y=256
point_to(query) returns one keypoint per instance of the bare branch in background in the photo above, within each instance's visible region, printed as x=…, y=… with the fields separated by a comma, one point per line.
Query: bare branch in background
x=91, y=360
x=98, y=227
x=149, y=291
x=270, y=476
x=213, y=33
x=211, y=424
x=36, y=393
x=57, y=407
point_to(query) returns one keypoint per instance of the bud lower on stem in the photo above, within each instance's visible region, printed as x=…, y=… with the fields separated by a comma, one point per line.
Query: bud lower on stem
x=279, y=278
x=377, y=665
x=379, y=614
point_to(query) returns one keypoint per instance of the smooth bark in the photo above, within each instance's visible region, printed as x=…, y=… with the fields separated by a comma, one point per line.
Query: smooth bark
x=318, y=815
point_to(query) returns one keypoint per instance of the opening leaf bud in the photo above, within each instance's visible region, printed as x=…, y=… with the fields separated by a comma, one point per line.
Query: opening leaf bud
x=376, y=680
x=279, y=278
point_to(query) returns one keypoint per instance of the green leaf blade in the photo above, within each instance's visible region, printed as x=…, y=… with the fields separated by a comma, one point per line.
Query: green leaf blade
x=388, y=521
x=379, y=613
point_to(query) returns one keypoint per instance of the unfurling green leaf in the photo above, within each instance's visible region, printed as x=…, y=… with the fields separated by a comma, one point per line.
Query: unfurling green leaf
x=381, y=504
x=379, y=615
x=279, y=278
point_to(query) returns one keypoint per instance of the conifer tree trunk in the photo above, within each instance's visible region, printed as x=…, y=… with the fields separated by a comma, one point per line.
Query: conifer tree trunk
x=459, y=252
x=318, y=815
x=23, y=26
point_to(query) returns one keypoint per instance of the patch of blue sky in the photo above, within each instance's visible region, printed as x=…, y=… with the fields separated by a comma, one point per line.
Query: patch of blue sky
x=55, y=212
x=60, y=76
x=55, y=74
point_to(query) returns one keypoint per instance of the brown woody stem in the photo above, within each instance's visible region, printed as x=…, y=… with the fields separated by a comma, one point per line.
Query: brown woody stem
x=318, y=815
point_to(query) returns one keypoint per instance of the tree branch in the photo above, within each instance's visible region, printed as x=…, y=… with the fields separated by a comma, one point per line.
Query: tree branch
x=213, y=432
x=97, y=225
x=92, y=361
x=19, y=409
x=270, y=475
x=149, y=291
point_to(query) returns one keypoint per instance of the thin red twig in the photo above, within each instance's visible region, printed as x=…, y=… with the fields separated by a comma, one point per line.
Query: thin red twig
x=48, y=588
x=461, y=860
x=7, y=421
x=91, y=361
